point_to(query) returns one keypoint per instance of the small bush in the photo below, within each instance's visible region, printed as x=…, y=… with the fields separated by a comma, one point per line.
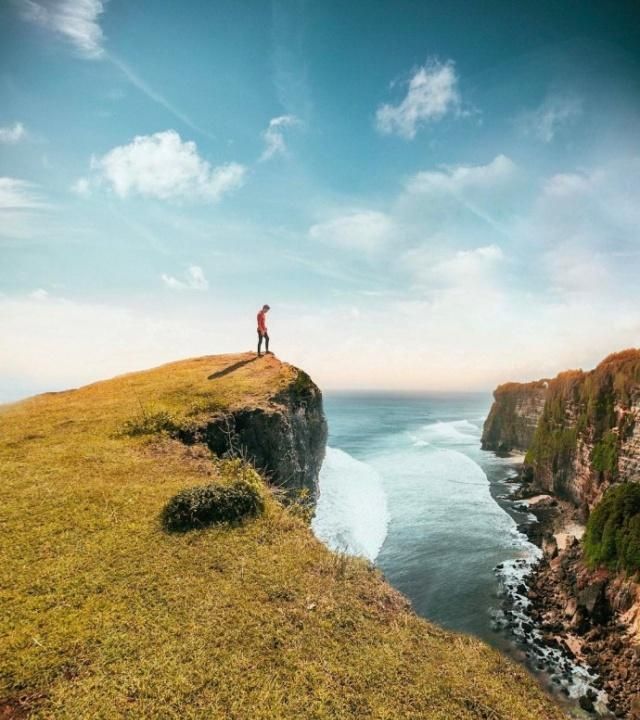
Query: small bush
x=201, y=506
x=613, y=531
x=150, y=423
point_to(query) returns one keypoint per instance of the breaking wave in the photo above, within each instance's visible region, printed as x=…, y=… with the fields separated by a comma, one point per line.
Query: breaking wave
x=351, y=513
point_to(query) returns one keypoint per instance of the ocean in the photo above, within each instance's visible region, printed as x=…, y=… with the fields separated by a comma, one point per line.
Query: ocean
x=406, y=485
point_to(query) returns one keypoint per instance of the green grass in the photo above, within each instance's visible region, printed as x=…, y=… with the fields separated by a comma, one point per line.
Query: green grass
x=104, y=614
x=612, y=537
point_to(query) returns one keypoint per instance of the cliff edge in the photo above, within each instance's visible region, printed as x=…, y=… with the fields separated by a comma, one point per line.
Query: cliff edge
x=107, y=614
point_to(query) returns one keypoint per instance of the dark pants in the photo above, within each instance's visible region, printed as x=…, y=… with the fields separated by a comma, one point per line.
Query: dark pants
x=266, y=341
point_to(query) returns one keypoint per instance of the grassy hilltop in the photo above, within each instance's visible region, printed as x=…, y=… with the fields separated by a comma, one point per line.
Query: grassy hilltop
x=104, y=614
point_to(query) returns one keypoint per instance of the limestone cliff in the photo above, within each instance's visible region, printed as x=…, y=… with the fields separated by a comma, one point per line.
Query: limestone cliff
x=588, y=435
x=581, y=430
x=514, y=416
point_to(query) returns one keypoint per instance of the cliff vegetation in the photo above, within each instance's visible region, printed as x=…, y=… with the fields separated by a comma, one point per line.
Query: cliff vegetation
x=587, y=420
x=613, y=531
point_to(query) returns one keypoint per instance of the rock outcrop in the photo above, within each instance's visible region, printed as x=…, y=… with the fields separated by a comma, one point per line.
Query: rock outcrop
x=285, y=439
x=284, y=435
x=592, y=614
x=514, y=416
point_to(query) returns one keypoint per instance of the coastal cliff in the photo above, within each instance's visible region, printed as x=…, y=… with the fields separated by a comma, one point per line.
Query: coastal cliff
x=584, y=594
x=108, y=613
x=283, y=436
x=514, y=416
x=588, y=436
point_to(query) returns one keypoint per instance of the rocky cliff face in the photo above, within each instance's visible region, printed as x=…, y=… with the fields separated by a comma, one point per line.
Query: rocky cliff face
x=581, y=430
x=588, y=435
x=284, y=438
x=514, y=416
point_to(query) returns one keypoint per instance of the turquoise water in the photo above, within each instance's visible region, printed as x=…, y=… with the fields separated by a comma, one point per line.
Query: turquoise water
x=406, y=484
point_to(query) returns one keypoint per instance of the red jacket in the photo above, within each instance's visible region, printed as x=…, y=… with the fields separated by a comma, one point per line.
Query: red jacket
x=262, y=324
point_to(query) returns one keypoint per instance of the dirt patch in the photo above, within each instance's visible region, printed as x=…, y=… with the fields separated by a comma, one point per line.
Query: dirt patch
x=20, y=706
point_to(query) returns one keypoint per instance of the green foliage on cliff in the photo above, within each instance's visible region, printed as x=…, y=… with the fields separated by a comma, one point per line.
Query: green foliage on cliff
x=604, y=457
x=105, y=615
x=613, y=531
x=555, y=438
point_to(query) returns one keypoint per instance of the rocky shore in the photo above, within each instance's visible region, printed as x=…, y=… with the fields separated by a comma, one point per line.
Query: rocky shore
x=580, y=433
x=578, y=624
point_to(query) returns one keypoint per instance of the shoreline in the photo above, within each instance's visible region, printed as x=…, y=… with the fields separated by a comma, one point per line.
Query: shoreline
x=576, y=616
x=566, y=680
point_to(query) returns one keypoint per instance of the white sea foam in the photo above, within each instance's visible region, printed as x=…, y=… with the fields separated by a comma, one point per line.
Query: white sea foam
x=351, y=513
x=456, y=432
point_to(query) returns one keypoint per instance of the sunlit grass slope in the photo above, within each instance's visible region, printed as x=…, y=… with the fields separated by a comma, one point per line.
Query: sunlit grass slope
x=106, y=615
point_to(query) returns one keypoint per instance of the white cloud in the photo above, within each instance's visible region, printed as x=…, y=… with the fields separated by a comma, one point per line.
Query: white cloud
x=479, y=189
x=433, y=267
x=555, y=112
x=194, y=280
x=433, y=92
x=566, y=184
x=454, y=179
x=163, y=166
x=274, y=137
x=12, y=134
x=18, y=194
x=363, y=230
x=74, y=20
x=39, y=294
x=81, y=187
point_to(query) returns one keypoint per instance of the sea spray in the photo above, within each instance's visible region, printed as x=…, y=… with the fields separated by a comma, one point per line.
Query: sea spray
x=351, y=514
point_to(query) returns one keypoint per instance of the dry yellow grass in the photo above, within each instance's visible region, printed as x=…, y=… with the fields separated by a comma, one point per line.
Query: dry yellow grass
x=105, y=615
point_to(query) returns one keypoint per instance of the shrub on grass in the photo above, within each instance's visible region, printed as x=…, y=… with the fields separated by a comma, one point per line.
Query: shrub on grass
x=209, y=504
x=613, y=531
x=151, y=423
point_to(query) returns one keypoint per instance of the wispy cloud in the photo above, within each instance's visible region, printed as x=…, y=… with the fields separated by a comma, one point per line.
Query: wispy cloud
x=18, y=194
x=154, y=95
x=467, y=185
x=76, y=21
x=81, y=187
x=432, y=93
x=164, y=166
x=194, y=279
x=21, y=207
x=550, y=117
x=289, y=58
x=455, y=178
x=361, y=230
x=12, y=134
x=274, y=136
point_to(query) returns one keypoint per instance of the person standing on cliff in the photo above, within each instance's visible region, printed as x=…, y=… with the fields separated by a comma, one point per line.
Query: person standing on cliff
x=262, y=330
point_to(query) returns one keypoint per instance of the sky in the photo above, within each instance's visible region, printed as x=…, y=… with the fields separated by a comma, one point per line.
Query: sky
x=430, y=196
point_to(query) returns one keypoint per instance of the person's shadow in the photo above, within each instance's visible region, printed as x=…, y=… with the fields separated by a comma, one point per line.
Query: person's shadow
x=231, y=368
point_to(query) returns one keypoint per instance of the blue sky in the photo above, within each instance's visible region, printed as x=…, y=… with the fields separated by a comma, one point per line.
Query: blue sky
x=429, y=195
